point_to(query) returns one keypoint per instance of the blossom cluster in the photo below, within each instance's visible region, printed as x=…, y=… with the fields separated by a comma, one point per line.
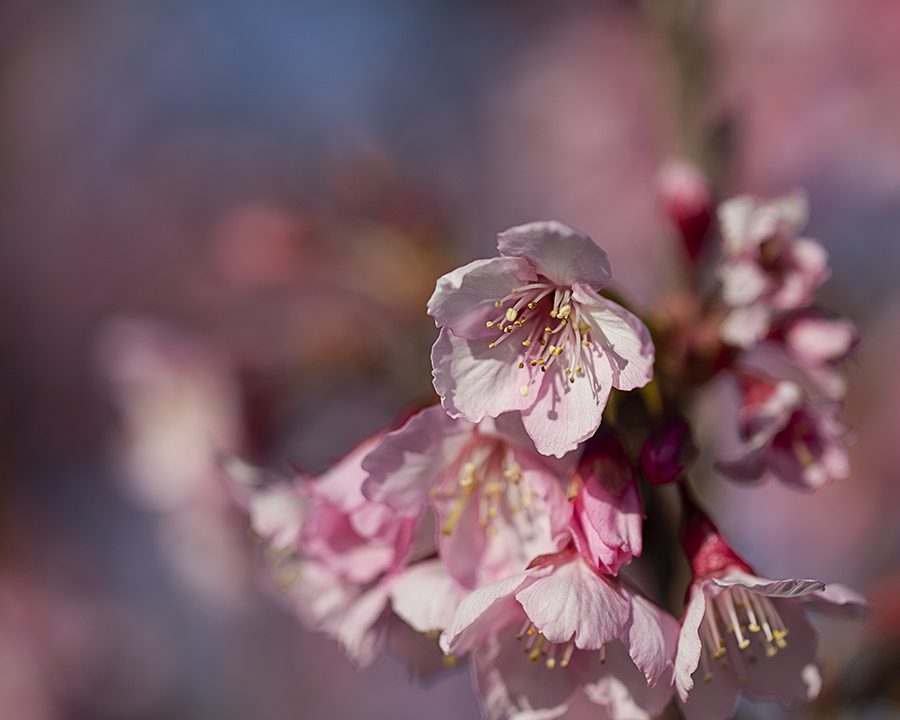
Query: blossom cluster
x=500, y=525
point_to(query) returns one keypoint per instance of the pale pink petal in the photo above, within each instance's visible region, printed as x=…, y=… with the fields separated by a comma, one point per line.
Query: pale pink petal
x=408, y=462
x=560, y=253
x=574, y=602
x=511, y=428
x=475, y=381
x=469, y=556
x=425, y=596
x=609, y=531
x=836, y=600
x=818, y=340
x=276, y=515
x=564, y=414
x=792, y=675
x=625, y=340
x=359, y=632
x=652, y=639
x=714, y=699
x=487, y=611
x=315, y=592
x=743, y=282
x=618, y=687
x=463, y=300
x=746, y=326
x=342, y=483
x=512, y=687
x=771, y=588
x=690, y=645
x=734, y=219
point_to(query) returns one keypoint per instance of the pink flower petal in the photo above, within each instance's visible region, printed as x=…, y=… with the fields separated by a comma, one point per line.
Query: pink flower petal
x=512, y=687
x=475, y=381
x=836, y=600
x=425, y=596
x=713, y=700
x=359, y=631
x=618, y=687
x=652, y=639
x=746, y=326
x=564, y=414
x=560, y=253
x=792, y=675
x=627, y=346
x=463, y=300
x=575, y=602
x=771, y=588
x=690, y=646
x=609, y=524
x=487, y=611
x=408, y=462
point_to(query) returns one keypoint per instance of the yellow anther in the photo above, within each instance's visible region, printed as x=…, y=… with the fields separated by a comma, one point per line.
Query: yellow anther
x=511, y=314
x=526, y=343
x=553, y=313
x=490, y=323
x=523, y=391
x=521, y=365
x=551, y=663
x=564, y=311
x=492, y=345
x=531, y=306
x=497, y=304
x=578, y=369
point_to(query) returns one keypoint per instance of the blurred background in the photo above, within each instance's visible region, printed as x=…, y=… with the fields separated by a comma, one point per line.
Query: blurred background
x=219, y=224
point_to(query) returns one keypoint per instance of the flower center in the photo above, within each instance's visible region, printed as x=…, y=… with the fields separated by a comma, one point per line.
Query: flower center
x=488, y=476
x=523, y=315
x=554, y=655
x=743, y=615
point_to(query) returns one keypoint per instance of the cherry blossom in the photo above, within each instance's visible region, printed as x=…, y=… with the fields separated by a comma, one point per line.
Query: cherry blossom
x=765, y=267
x=799, y=442
x=498, y=502
x=599, y=641
x=346, y=565
x=746, y=634
x=529, y=332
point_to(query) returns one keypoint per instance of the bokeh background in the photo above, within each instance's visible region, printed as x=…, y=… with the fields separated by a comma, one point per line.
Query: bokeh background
x=219, y=223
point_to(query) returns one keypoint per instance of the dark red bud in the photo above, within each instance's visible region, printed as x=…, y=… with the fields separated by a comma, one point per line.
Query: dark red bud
x=668, y=451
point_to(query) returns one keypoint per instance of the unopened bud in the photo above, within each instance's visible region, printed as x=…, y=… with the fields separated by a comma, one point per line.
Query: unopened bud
x=688, y=202
x=668, y=451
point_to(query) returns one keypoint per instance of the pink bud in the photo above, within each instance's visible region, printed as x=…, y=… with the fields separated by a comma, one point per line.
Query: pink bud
x=688, y=202
x=668, y=451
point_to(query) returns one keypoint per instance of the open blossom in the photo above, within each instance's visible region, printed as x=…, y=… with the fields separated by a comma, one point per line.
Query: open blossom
x=529, y=332
x=561, y=641
x=816, y=344
x=799, y=442
x=346, y=565
x=766, y=268
x=742, y=633
x=607, y=513
x=498, y=502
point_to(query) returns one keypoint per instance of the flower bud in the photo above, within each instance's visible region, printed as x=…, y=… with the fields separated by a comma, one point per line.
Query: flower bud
x=688, y=202
x=668, y=451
